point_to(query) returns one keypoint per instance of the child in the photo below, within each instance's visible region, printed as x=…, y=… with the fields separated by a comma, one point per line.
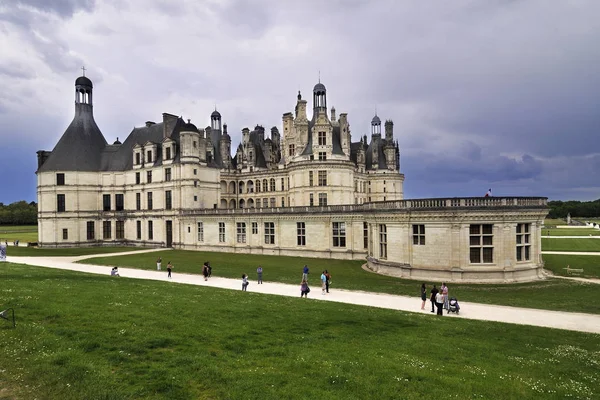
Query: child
x=114, y=271
x=304, y=289
x=244, y=282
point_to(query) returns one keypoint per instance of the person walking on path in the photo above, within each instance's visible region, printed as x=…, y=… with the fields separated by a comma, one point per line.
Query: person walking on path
x=305, y=273
x=423, y=296
x=439, y=302
x=444, y=290
x=328, y=281
x=209, y=269
x=244, y=282
x=259, y=273
x=169, y=268
x=158, y=263
x=205, y=271
x=434, y=292
x=323, y=282
x=304, y=289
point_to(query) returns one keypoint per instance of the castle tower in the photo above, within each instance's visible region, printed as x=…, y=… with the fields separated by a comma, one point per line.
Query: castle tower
x=376, y=126
x=319, y=98
x=225, y=148
x=389, y=130
x=189, y=138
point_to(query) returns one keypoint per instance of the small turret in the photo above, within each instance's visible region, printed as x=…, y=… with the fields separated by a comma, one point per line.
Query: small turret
x=333, y=117
x=389, y=130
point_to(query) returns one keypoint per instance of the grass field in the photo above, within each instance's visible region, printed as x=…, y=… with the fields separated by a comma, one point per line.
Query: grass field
x=135, y=339
x=68, y=252
x=557, y=262
x=570, y=232
x=552, y=294
x=574, y=244
x=23, y=233
x=554, y=222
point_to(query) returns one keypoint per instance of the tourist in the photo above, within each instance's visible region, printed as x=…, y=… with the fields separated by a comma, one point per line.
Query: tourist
x=423, y=296
x=434, y=292
x=169, y=268
x=209, y=269
x=328, y=281
x=205, y=270
x=259, y=273
x=305, y=273
x=323, y=282
x=158, y=263
x=304, y=289
x=439, y=303
x=244, y=282
x=114, y=271
x=444, y=290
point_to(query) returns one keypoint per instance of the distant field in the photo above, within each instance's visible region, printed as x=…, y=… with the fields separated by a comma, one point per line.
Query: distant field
x=553, y=222
x=570, y=232
x=558, y=262
x=70, y=252
x=22, y=233
x=570, y=244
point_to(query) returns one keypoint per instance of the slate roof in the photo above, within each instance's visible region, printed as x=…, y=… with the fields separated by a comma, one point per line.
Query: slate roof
x=336, y=139
x=80, y=147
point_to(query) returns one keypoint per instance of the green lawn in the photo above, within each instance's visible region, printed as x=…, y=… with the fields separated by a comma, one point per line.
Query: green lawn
x=23, y=233
x=574, y=244
x=70, y=252
x=557, y=262
x=136, y=339
x=553, y=294
x=570, y=232
x=554, y=222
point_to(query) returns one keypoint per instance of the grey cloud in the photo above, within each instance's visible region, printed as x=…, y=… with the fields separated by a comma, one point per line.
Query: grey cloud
x=63, y=8
x=16, y=71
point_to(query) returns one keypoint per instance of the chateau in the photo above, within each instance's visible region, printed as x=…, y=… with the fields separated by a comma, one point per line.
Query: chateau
x=305, y=191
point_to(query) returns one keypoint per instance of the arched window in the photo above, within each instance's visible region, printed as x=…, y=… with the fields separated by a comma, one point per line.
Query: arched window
x=265, y=185
x=257, y=186
x=272, y=184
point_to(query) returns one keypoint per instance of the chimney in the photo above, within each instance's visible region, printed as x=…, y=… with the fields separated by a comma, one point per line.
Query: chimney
x=150, y=123
x=169, y=121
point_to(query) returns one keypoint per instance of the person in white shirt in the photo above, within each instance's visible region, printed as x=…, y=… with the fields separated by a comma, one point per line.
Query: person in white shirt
x=439, y=303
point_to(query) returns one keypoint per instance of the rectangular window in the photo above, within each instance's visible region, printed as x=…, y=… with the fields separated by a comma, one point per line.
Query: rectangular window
x=272, y=184
x=60, y=203
x=195, y=198
x=311, y=200
x=322, y=156
x=167, y=153
x=265, y=203
x=365, y=235
x=106, y=202
x=150, y=230
x=168, y=200
x=195, y=171
x=481, y=244
x=322, y=199
x=382, y=241
x=91, y=231
x=255, y=228
x=137, y=178
x=310, y=178
x=339, y=234
x=283, y=202
x=167, y=174
x=301, y=233
x=195, y=144
x=292, y=150
x=149, y=177
x=523, y=242
x=60, y=179
x=138, y=201
x=137, y=158
x=150, y=204
x=120, y=230
x=106, y=229
x=241, y=232
x=65, y=234
x=272, y=201
x=419, y=235
x=149, y=156
x=139, y=229
x=221, y=232
x=269, y=232
x=119, y=202
x=322, y=138
x=195, y=183
x=200, y=231
x=322, y=178
x=282, y=184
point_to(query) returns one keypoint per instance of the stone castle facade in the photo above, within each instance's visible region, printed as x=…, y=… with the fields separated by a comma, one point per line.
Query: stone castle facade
x=306, y=191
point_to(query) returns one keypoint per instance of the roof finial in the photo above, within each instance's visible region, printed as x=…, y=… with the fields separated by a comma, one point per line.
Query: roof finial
x=83, y=69
x=319, y=76
x=189, y=120
x=215, y=106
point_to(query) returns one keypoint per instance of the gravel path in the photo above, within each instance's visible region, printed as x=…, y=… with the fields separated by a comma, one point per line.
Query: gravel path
x=551, y=319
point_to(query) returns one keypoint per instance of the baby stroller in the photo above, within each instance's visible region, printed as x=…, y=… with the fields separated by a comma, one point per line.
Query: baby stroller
x=453, y=305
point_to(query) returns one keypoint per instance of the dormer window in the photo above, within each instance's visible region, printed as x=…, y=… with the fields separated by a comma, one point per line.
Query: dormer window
x=137, y=158
x=149, y=156
x=168, y=153
x=322, y=138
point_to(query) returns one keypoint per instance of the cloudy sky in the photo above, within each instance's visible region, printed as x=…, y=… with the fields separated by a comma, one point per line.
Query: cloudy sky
x=499, y=93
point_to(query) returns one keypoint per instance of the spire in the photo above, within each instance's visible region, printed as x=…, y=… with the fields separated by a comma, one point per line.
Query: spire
x=83, y=69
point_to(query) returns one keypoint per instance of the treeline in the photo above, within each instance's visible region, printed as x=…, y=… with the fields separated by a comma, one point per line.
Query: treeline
x=577, y=209
x=18, y=213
